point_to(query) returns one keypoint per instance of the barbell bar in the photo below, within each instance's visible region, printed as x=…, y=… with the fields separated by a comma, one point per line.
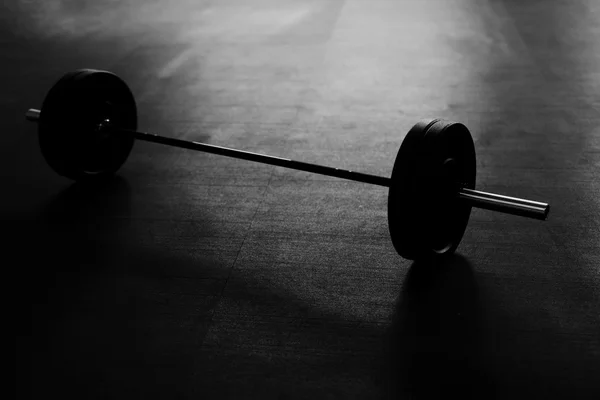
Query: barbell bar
x=474, y=198
x=91, y=115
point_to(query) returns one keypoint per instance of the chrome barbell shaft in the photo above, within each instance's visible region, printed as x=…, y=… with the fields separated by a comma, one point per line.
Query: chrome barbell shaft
x=474, y=198
x=505, y=204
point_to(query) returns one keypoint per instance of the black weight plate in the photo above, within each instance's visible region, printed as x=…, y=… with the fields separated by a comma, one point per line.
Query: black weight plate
x=424, y=215
x=70, y=114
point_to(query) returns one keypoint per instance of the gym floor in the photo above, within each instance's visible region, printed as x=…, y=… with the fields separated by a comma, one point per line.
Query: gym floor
x=197, y=276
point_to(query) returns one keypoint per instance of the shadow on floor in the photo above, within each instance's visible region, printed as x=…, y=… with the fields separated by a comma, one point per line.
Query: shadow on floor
x=434, y=345
x=96, y=317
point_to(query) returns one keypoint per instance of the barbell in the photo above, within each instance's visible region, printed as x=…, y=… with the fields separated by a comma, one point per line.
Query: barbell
x=88, y=124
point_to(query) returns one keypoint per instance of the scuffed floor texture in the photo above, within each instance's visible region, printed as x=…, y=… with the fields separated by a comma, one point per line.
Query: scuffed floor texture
x=193, y=276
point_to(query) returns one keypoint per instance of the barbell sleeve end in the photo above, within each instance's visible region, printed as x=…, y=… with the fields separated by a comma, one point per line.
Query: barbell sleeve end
x=505, y=204
x=32, y=115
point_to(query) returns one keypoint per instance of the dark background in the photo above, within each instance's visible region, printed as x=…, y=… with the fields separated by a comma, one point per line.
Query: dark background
x=197, y=276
